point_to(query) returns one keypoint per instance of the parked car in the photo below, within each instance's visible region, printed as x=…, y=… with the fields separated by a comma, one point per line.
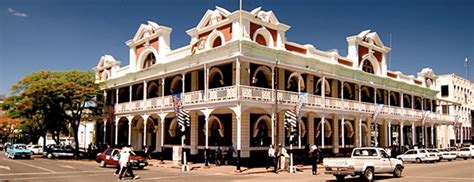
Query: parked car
x=464, y=153
x=365, y=162
x=35, y=149
x=436, y=153
x=454, y=150
x=18, y=151
x=471, y=148
x=416, y=155
x=448, y=155
x=58, y=151
x=111, y=157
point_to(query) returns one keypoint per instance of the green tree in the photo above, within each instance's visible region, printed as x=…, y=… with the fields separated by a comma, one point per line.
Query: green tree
x=54, y=101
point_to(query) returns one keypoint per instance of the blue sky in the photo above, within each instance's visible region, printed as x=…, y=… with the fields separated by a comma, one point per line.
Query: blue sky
x=61, y=35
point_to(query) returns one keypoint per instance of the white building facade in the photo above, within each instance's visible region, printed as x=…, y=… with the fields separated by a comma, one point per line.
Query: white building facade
x=240, y=74
x=457, y=95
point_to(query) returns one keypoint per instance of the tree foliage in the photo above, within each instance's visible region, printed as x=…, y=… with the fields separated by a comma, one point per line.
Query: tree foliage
x=54, y=101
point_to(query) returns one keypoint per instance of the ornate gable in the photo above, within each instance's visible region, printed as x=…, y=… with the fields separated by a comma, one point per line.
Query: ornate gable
x=266, y=16
x=146, y=30
x=212, y=17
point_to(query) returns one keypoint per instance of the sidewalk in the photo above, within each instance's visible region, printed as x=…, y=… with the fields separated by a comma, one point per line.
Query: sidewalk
x=230, y=169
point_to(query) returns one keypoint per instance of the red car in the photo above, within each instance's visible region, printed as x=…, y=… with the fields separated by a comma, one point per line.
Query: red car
x=110, y=157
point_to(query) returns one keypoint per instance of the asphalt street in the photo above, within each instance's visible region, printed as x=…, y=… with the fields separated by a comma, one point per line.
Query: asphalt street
x=40, y=169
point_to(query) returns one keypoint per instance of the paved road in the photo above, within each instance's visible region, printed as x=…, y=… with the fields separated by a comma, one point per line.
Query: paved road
x=40, y=169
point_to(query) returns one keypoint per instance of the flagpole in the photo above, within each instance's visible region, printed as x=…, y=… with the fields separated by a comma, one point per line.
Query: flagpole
x=466, y=64
x=240, y=52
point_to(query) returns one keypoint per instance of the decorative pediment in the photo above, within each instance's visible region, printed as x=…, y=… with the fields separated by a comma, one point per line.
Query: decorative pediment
x=106, y=61
x=371, y=38
x=266, y=16
x=146, y=30
x=212, y=17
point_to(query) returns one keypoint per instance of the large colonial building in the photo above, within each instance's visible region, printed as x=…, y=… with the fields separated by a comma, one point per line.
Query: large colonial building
x=226, y=77
x=456, y=98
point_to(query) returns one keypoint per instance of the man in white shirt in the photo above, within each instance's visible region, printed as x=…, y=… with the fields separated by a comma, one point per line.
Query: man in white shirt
x=124, y=163
x=271, y=157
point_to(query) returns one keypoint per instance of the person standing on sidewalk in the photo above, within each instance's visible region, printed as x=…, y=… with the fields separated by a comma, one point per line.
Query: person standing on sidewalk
x=314, y=158
x=124, y=161
x=271, y=157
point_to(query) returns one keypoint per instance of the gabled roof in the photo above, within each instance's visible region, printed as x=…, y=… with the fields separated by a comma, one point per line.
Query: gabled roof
x=218, y=13
x=367, y=35
x=146, y=30
x=267, y=16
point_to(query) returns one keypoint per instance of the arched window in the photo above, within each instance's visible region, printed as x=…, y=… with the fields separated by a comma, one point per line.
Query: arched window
x=261, y=40
x=217, y=42
x=367, y=67
x=149, y=61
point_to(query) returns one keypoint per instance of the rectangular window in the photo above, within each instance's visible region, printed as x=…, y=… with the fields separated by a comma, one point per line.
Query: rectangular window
x=445, y=109
x=444, y=90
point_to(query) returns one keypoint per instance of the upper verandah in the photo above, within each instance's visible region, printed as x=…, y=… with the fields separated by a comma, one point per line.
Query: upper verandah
x=150, y=45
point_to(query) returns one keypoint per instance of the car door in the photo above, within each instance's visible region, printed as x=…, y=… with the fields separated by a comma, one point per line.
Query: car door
x=385, y=162
x=410, y=155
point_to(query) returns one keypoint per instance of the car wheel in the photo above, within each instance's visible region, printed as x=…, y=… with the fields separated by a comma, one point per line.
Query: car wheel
x=465, y=158
x=450, y=160
x=141, y=167
x=397, y=172
x=418, y=160
x=13, y=156
x=368, y=175
x=49, y=156
x=340, y=177
x=400, y=159
x=102, y=163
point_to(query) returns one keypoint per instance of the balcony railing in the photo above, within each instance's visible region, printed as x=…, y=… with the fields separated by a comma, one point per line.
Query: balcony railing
x=264, y=95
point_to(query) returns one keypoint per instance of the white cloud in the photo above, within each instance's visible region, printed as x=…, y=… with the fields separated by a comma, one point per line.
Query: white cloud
x=17, y=13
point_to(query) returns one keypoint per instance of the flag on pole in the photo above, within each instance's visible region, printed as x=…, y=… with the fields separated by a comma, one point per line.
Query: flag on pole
x=183, y=120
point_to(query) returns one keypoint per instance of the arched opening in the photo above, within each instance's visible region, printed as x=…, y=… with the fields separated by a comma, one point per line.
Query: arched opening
x=261, y=130
x=367, y=66
x=394, y=99
x=137, y=132
x=348, y=91
x=217, y=42
x=124, y=94
x=260, y=39
x=152, y=90
x=406, y=101
x=216, y=131
x=216, y=78
x=418, y=103
x=137, y=92
x=150, y=60
x=176, y=85
x=327, y=87
x=327, y=132
x=367, y=94
x=262, y=77
x=295, y=80
x=365, y=135
x=122, y=133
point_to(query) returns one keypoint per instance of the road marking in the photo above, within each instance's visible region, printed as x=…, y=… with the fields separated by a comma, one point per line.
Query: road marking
x=70, y=167
x=443, y=178
x=31, y=165
x=44, y=173
x=51, y=177
x=5, y=167
x=177, y=176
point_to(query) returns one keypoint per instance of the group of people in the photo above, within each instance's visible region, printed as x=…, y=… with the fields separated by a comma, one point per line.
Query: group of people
x=219, y=158
x=279, y=159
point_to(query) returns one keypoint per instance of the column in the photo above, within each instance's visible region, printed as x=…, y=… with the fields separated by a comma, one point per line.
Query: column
x=311, y=129
x=130, y=118
x=402, y=142
x=130, y=93
x=116, y=129
x=342, y=132
x=413, y=133
x=360, y=131
x=145, y=90
x=432, y=136
x=105, y=131
x=322, y=130
x=194, y=132
x=207, y=112
x=162, y=133
x=323, y=88
x=238, y=114
x=357, y=132
x=335, y=134
x=273, y=118
x=389, y=132
x=183, y=81
x=145, y=120
x=117, y=96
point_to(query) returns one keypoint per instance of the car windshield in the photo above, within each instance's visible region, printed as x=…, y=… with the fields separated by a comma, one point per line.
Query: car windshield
x=465, y=149
x=20, y=147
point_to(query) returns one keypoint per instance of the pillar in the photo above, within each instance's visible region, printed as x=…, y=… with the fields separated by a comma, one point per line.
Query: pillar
x=402, y=141
x=129, y=118
x=116, y=129
x=342, y=131
x=335, y=134
x=389, y=133
x=357, y=132
x=311, y=129
x=194, y=132
x=413, y=133
x=145, y=120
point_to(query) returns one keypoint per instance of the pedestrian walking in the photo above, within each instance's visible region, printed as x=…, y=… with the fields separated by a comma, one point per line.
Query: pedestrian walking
x=229, y=155
x=314, y=158
x=271, y=157
x=124, y=161
x=283, y=157
x=218, y=156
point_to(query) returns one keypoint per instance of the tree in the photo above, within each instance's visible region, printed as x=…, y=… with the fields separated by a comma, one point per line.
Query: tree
x=54, y=101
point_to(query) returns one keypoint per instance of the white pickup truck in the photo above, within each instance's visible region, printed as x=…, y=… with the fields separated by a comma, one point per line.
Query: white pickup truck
x=365, y=162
